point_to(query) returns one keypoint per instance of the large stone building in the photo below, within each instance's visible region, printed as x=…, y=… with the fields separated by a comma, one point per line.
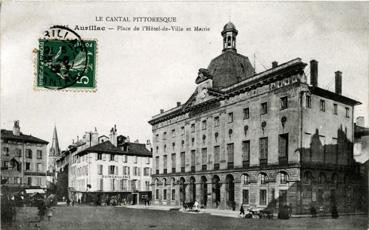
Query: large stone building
x=264, y=140
x=102, y=169
x=23, y=160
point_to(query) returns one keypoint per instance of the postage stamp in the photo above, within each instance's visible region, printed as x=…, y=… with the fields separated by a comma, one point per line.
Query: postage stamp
x=64, y=60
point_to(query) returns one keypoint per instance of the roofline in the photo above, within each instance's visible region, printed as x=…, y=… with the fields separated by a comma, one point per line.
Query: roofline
x=40, y=141
x=333, y=96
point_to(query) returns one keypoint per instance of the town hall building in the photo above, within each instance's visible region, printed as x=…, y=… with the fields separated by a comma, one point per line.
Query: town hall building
x=261, y=140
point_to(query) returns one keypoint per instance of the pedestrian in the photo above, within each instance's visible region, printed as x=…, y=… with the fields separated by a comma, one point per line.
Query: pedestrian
x=49, y=213
x=72, y=202
x=68, y=202
x=242, y=210
x=334, y=212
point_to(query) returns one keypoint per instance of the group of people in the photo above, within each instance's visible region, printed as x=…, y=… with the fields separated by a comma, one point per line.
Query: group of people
x=44, y=208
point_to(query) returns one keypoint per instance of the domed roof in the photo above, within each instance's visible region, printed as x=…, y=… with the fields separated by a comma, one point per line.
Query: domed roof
x=229, y=26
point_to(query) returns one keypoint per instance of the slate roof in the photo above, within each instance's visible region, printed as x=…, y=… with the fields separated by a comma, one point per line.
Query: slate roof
x=8, y=135
x=104, y=147
x=230, y=68
x=136, y=149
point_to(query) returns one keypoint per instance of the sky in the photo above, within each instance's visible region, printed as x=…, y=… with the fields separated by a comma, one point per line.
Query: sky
x=139, y=73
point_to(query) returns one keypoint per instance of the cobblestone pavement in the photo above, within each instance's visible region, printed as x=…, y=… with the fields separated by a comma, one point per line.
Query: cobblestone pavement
x=106, y=218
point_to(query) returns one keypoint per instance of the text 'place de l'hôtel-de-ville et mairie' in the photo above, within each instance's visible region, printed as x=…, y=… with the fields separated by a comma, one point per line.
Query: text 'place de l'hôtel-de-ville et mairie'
x=264, y=139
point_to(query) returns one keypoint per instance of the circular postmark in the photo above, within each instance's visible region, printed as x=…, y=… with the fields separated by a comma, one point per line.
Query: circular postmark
x=65, y=60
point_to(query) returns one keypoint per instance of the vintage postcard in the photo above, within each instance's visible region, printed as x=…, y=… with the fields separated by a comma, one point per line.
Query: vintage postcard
x=184, y=115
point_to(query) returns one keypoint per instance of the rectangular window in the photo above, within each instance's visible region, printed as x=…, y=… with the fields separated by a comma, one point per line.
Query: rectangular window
x=230, y=117
x=28, y=153
x=157, y=137
x=38, y=181
x=245, y=196
x=204, y=153
x=263, y=148
x=164, y=194
x=147, y=160
x=29, y=180
x=347, y=112
x=335, y=109
x=111, y=169
x=182, y=159
x=165, y=161
x=112, y=157
x=192, y=128
x=284, y=103
x=135, y=159
x=28, y=166
x=39, y=167
x=39, y=154
x=216, y=121
x=99, y=169
x=173, y=132
x=157, y=194
x=6, y=151
x=322, y=105
x=246, y=113
x=146, y=171
x=246, y=150
x=99, y=156
x=112, y=184
x=283, y=145
x=216, y=154
x=203, y=124
x=157, y=163
x=264, y=108
x=262, y=197
x=182, y=130
x=173, y=159
x=173, y=194
x=19, y=152
x=230, y=152
x=164, y=135
x=308, y=101
x=193, y=158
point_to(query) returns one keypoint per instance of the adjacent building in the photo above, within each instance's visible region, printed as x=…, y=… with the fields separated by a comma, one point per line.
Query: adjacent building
x=102, y=169
x=263, y=140
x=23, y=160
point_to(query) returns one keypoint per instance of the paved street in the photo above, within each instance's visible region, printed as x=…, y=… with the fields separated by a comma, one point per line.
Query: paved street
x=87, y=217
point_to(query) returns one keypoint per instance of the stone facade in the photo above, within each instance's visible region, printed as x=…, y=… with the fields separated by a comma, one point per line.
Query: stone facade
x=266, y=141
x=23, y=159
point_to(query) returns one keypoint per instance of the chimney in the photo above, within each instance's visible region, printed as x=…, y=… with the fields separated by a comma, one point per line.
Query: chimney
x=274, y=64
x=16, y=128
x=161, y=110
x=338, y=86
x=178, y=103
x=314, y=73
x=360, y=121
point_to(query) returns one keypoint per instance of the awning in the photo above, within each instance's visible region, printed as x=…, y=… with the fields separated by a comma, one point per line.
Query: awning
x=41, y=191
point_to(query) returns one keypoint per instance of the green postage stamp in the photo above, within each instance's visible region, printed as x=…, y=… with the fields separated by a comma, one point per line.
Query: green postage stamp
x=64, y=61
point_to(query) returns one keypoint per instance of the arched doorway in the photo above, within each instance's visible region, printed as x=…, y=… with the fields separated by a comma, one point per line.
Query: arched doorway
x=192, y=189
x=204, y=191
x=182, y=190
x=216, y=191
x=230, y=191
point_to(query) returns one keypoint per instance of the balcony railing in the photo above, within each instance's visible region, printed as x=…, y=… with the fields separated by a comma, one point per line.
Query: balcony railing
x=283, y=160
x=216, y=166
x=245, y=164
x=204, y=167
x=192, y=168
x=230, y=165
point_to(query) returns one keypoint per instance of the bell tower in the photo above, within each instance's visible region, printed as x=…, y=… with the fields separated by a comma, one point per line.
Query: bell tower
x=229, y=34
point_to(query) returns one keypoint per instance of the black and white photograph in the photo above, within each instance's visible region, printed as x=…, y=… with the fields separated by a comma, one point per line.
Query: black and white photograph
x=184, y=115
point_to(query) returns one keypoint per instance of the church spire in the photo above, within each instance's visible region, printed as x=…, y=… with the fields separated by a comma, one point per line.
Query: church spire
x=229, y=34
x=54, y=149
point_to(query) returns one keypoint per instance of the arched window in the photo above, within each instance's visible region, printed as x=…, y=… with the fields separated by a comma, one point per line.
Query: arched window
x=245, y=129
x=283, y=178
x=322, y=178
x=165, y=148
x=263, y=179
x=164, y=182
x=245, y=179
x=216, y=137
x=230, y=132
x=203, y=139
